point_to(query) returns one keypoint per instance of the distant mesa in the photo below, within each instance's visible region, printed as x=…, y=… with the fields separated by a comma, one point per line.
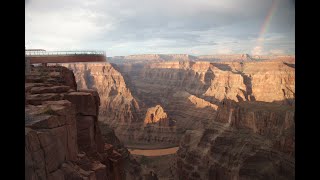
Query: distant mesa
x=146, y=58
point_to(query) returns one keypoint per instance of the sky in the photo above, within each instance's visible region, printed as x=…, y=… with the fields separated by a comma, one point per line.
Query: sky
x=195, y=27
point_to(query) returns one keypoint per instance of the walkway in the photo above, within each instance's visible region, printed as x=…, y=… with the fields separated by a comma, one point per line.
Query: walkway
x=38, y=56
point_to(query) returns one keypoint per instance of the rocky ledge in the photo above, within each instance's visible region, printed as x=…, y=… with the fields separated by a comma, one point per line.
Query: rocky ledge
x=62, y=136
x=247, y=140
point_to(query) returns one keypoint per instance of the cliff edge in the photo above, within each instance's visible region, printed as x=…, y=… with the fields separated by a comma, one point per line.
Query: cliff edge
x=63, y=139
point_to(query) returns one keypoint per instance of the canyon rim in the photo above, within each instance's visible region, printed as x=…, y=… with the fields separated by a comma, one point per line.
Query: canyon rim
x=160, y=90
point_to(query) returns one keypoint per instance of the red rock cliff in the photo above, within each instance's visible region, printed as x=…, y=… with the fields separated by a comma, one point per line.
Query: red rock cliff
x=63, y=139
x=247, y=140
x=119, y=108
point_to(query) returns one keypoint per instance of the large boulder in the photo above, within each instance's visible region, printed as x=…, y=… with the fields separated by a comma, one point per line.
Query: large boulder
x=85, y=103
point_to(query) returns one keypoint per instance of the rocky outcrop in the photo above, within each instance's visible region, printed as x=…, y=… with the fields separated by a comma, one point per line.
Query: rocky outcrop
x=247, y=140
x=117, y=104
x=273, y=121
x=189, y=111
x=156, y=115
x=226, y=84
x=63, y=139
x=272, y=81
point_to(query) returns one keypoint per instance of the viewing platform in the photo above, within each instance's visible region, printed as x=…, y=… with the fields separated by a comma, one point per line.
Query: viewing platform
x=36, y=56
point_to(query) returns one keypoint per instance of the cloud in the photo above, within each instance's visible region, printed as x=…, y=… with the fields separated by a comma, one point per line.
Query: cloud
x=277, y=52
x=258, y=50
x=126, y=26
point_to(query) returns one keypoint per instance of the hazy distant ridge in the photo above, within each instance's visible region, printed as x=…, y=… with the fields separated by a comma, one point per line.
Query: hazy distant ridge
x=140, y=58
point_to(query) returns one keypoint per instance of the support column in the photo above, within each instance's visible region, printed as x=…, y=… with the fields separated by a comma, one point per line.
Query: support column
x=27, y=65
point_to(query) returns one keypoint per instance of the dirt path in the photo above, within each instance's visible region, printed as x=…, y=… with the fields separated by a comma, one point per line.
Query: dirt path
x=154, y=152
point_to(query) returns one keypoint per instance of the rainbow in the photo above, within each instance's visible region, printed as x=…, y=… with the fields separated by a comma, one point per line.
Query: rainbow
x=266, y=23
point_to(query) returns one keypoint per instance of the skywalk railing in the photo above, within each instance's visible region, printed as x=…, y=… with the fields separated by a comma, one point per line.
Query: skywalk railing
x=64, y=53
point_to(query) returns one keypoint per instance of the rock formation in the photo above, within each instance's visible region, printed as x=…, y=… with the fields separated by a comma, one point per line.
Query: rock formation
x=63, y=139
x=156, y=115
x=176, y=86
x=247, y=140
x=117, y=104
x=236, y=117
x=118, y=107
x=189, y=91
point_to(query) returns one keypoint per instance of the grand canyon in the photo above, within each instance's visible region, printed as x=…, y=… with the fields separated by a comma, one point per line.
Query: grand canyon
x=162, y=116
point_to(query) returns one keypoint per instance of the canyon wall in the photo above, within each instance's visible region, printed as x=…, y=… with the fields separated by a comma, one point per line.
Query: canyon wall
x=190, y=92
x=63, y=138
x=236, y=119
x=247, y=140
x=119, y=108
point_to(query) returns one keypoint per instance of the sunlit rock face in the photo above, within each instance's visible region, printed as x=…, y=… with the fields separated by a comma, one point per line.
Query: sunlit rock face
x=177, y=85
x=236, y=119
x=156, y=115
x=240, y=81
x=118, y=108
x=117, y=104
x=188, y=91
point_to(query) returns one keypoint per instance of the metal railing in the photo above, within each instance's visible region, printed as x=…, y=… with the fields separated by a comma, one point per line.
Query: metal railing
x=63, y=53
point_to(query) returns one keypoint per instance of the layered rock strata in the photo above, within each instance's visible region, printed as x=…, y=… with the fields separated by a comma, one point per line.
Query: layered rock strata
x=247, y=140
x=63, y=139
x=189, y=92
x=156, y=115
x=176, y=85
x=119, y=108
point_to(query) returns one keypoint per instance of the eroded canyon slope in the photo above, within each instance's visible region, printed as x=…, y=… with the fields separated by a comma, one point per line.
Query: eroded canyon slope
x=236, y=118
x=188, y=91
x=119, y=108
x=63, y=138
x=247, y=140
x=117, y=104
x=239, y=116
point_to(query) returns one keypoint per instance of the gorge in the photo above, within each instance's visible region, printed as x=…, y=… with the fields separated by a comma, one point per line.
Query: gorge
x=208, y=117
